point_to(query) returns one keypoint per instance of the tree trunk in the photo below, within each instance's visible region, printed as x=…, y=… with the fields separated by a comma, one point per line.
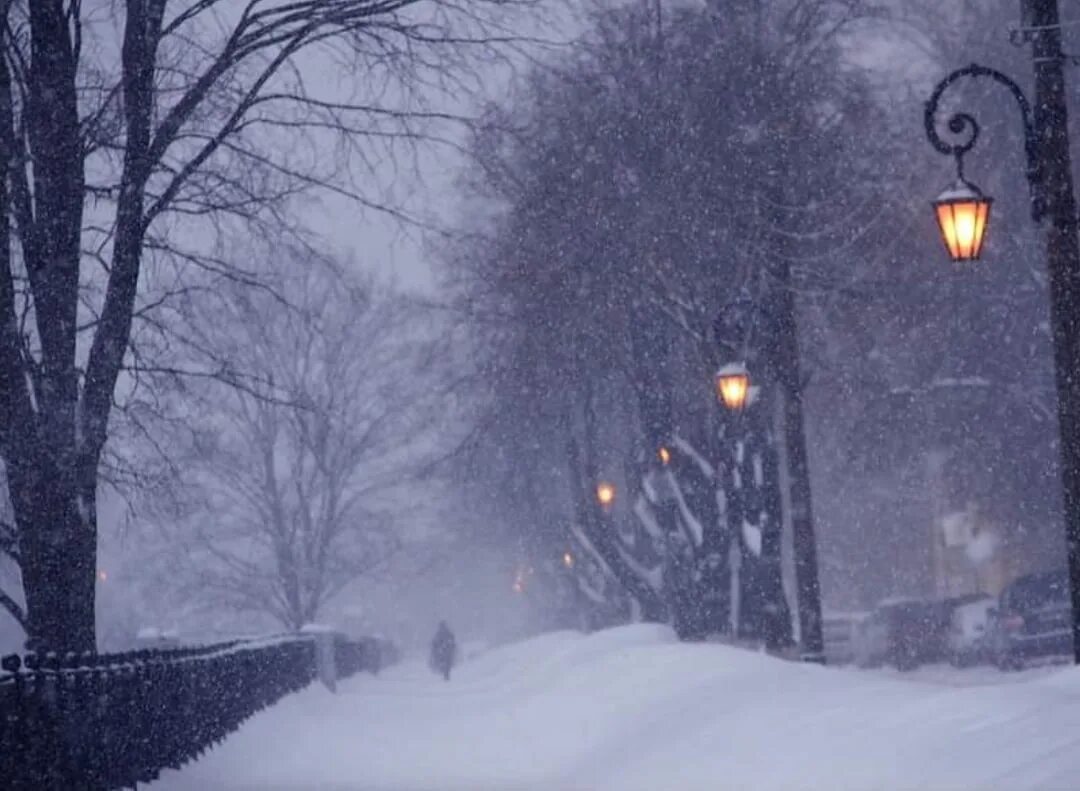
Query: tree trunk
x=57, y=519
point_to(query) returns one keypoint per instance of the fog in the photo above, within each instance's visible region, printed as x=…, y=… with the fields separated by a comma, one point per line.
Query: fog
x=551, y=235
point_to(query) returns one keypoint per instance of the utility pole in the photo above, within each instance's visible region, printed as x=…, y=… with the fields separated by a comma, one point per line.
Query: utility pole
x=1042, y=23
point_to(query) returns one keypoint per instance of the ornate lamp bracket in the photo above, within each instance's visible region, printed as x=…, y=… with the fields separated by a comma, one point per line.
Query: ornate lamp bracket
x=964, y=126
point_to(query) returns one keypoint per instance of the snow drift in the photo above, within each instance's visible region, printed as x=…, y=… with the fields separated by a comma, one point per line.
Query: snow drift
x=632, y=708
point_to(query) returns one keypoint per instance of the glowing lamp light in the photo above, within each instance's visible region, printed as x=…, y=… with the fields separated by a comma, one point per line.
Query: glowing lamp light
x=733, y=385
x=963, y=213
x=605, y=494
x=665, y=456
x=102, y=575
x=568, y=560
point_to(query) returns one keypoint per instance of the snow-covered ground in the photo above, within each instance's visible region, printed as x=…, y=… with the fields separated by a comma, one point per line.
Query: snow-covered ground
x=631, y=708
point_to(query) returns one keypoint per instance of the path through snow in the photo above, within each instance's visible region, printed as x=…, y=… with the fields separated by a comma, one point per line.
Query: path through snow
x=631, y=708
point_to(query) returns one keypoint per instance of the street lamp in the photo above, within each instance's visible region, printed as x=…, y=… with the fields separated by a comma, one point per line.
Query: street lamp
x=962, y=214
x=605, y=494
x=733, y=385
x=1049, y=175
x=734, y=328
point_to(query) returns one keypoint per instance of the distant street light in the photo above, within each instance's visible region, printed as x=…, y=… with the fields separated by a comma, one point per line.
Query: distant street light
x=665, y=455
x=568, y=559
x=1049, y=175
x=733, y=385
x=605, y=494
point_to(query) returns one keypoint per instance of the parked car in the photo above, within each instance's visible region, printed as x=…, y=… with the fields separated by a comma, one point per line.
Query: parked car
x=904, y=633
x=870, y=643
x=907, y=633
x=919, y=634
x=1032, y=619
x=967, y=641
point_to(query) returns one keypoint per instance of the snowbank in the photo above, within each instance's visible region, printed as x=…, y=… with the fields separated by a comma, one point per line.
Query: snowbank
x=631, y=708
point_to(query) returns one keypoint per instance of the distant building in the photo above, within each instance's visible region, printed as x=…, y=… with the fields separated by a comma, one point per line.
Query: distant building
x=972, y=553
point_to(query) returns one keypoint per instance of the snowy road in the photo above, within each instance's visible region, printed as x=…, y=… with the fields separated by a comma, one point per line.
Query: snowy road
x=631, y=708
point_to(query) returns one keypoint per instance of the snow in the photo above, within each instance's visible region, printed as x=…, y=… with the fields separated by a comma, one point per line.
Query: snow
x=316, y=628
x=632, y=708
x=752, y=537
x=648, y=521
x=732, y=369
x=694, y=529
x=653, y=577
x=961, y=190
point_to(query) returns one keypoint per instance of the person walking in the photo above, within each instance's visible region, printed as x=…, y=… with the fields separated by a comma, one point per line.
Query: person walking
x=443, y=650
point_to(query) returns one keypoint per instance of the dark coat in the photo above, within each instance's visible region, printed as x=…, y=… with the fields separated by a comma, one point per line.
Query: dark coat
x=443, y=651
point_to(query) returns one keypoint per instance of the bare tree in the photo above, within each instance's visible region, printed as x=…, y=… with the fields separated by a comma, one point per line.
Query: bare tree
x=130, y=133
x=302, y=473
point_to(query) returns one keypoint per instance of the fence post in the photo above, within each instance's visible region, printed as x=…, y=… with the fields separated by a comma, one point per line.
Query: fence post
x=325, y=665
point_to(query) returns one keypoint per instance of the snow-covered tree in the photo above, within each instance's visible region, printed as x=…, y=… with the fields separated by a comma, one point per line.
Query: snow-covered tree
x=638, y=186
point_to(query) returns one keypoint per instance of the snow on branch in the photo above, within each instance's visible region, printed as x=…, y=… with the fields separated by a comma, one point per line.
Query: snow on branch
x=944, y=383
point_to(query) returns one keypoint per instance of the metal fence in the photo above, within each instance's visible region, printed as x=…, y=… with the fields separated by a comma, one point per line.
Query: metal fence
x=104, y=721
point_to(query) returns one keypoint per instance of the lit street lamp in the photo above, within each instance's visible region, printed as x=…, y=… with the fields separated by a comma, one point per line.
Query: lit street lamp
x=1049, y=174
x=962, y=214
x=733, y=385
x=605, y=494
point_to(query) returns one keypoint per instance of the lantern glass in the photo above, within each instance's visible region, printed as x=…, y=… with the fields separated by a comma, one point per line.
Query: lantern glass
x=963, y=213
x=605, y=494
x=733, y=385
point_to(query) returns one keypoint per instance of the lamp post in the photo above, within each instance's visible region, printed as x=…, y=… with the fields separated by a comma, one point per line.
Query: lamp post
x=1049, y=174
x=733, y=389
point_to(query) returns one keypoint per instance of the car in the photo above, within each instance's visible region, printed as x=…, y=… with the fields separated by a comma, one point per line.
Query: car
x=919, y=634
x=904, y=633
x=966, y=643
x=1032, y=619
x=877, y=638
